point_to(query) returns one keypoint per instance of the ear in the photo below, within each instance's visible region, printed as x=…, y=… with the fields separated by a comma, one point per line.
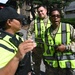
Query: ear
x=9, y=22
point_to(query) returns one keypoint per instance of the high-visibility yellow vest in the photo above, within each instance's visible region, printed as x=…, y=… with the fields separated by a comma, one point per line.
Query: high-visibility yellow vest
x=7, y=49
x=40, y=28
x=55, y=58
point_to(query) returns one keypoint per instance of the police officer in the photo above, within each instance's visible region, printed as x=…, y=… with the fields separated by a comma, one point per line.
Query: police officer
x=38, y=27
x=13, y=49
x=59, y=55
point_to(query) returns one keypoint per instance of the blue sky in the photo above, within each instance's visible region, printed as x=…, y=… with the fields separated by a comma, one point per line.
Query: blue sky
x=3, y=1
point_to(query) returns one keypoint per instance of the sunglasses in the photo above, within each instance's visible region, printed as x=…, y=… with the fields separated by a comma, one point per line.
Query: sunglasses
x=58, y=16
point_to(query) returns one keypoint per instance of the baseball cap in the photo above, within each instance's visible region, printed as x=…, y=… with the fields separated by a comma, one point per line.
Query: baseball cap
x=9, y=13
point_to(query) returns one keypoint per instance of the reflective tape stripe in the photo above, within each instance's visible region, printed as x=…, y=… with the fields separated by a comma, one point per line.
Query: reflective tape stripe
x=67, y=57
x=64, y=34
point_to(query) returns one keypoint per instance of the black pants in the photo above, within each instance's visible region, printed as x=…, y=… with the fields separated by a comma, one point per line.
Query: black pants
x=37, y=57
x=59, y=71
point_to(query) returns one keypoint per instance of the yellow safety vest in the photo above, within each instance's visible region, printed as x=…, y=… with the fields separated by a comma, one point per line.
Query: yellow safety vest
x=7, y=49
x=55, y=58
x=40, y=29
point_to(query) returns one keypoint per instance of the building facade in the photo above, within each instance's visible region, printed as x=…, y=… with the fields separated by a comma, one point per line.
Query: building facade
x=70, y=10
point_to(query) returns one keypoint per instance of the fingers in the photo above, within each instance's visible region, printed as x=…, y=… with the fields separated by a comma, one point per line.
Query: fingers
x=28, y=45
x=25, y=47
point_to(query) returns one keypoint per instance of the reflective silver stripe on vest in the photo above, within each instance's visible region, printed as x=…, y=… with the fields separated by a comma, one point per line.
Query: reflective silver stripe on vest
x=67, y=57
x=64, y=34
x=38, y=26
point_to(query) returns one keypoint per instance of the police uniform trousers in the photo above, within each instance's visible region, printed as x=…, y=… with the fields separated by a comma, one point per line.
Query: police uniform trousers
x=37, y=57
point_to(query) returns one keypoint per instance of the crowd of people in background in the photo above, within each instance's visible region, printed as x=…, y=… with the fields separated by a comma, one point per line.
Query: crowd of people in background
x=46, y=38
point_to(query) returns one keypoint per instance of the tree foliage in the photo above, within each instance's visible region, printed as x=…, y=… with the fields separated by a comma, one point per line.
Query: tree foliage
x=48, y=3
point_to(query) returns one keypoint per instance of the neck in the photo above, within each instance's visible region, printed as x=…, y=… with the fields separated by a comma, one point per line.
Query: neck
x=55, y=26
x=10, y=31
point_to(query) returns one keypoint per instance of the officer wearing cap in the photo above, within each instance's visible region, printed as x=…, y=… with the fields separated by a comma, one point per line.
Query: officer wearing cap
x=14, y=51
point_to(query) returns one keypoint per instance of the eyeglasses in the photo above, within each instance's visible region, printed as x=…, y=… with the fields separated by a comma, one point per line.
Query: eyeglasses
x=58, y=16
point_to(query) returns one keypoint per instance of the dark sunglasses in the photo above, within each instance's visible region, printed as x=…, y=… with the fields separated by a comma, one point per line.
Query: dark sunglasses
x=58, y=16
